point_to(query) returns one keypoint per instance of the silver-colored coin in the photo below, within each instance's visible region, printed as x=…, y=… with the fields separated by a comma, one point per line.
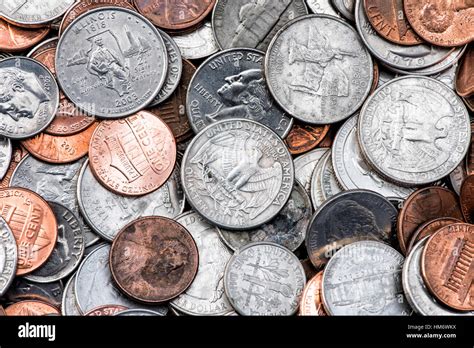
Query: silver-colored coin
x=24, y=289
x=318, y=69
x=304, y=167
x=414, y=130
x=107, y=213
x=288, y=228
x=4, y=55
x=33, y=12
x=198, y=44
x=56, y=183
x=69, y=305
x=264, y=279
x=317, y=196
x=174, y=72
x=352, y=170
x=111, y=62
x=6, y=152
x=364, y=278
x=329, y=184
x=252, y=24
x=94, y=286
x=8, y=256
x=206, y=294
x=29, y=97
x=458, y=176
x=346, y=8
x=238, y=174
x=138, y=313
x=69, y=249
x=231, y=84
x=322, y=7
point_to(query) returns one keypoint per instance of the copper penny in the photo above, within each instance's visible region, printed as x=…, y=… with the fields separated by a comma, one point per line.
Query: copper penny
x=423, y=205
x=447, y=266
x=31, y=308
x=18, y=153
x=469, y=101
x=107, y=311
x=175, y=14
x=329, y=138
x=304, y=137
x=375, y=81
x=388, y=19
x=33, y=223
x=467, y=199
x=465, y=74
x=311, y=301
x=133, y=156
x=154, y=259
x=442, y=22
x=16, y=39
x=470, y=154
x=60, y=149
x=173, y=110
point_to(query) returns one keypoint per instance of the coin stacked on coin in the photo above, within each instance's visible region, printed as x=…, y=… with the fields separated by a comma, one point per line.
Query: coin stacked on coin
x=245, y=157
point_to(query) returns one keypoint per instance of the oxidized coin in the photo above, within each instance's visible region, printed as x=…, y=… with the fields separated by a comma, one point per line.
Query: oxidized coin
x=423, y=205
x=29, y=97
x=68, y=304
x=231, y=84
x=447, y=266
x=318, y=69
x=111, y=62
x=441, y=22
x=137, y=313
x=305, y=166
x=206, y=294
x=311, y=299
x=133, y=156
x=465, y=74
x=288, y=228
x=68, y=251
x=414, y=130
x=23, y=289
x=304, y=137
x=322, y=7
x=107, y=310
x=154, y=259
x=345, y=7
x=197, y=44
x=17, y=39
x=467, y=199
x=429, y=228
x=8, y=256
x=346, y=218
x=31, y=308
x=364, y=278
x=35, y=13
x=264, y=279
x=5, y=156
x=238, y=174
x=33, y=223
x=252, y=24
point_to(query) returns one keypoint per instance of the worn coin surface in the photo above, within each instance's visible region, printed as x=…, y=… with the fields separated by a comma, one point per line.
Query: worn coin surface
x=305, y=166
x=8, y=256
x=304, y=137
x=23, y=289
x=31, y=308
x=470, y=154
x=17, y=39
x=465, y=74
x=6, y=156
x=238, y=174
x=264, y=279
x=345, y=7
x=318, y=69
x=316, y=190
x=68, y=304
x=311, y=299
x=328, y=182
x=137, y=313
x=35, y=13
x=107, y=310
x=458, y=176
x=467, y=199
x=322, y=7
x=111, y=62
x=197, y=44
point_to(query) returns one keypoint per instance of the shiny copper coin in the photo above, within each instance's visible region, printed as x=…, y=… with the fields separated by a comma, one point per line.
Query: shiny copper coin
x=133, y=156
x=447, y=266
x=107, y=311
x=18, y=153
x=470, y=154
x=31, y=308
x=17, y=39
x=33, y=223
x=154, y=259
x=423, y=205
x=467, y=199
x=304, y=137
x=60, y=149
x=465, y=74
x=442, y=22
x=388, y=19
x=173, y=110
x=311, y=301
x=175, y=15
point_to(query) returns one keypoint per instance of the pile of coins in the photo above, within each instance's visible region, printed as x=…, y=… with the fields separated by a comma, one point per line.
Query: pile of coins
x=244, y=157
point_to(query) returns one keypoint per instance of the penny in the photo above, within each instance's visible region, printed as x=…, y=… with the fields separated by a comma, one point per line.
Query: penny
x=8, y=257
x=252, y=24
x=364, y=278
x=154, y=259
x=464, y=78
x=112, y=73
x=375, y=81
x=346, y=218
x=328, y=181
x=264, y=279
x=423, y=205
x=197, y=44
x=470, y=154
x=447, y=266
x=442, y=23
x=311, y=302
x=318, y=69
x=23, y=289
x=457, y=177
x=31, y=308
x=29, y=97
x=137, y=313
x=322, y=7
x=35, y=13
x=17, y=39
x=467, y=199
x=304, y=137
x=469, y=103
x=305, y=166
x=107, y=310
x=287, y=228
x=231, y=84
x=68, y=304
x=238, y=174
x=345, y=7
x=206, y=294
x=428, y=229
x=133, y=156
x=6, y=156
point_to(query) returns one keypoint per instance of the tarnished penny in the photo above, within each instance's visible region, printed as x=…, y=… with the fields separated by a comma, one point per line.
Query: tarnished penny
x=31, y=308
x=465, y=74
x=304, y=137
x=108, y=311
x=447, y=266
x=311, y=302
x=17, y=39
x=375, y=82
x=423, y=205
x=467, y=199
x=33, y=223
x=133, y=156
x=154, y=259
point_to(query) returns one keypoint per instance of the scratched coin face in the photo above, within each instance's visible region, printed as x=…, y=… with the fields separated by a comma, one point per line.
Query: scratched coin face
x=33, y=12
x=197, y=44
x=8, y=256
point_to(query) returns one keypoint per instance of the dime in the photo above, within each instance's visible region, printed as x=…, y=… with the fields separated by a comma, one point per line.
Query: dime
x=287, y=228
x=6, y=156
x=346, y=218
x=17, y=39
x=35, y=13
x=364, y=278
x=206, y=294
x=137, y=313
x=345, y=7
x=238, y=174
x=23, y=289
x=304, y=137
x=68, y=304
x=305, y=166
x=154, y=259
x=197, y=44
x=442, y=23
x=428, y=229
x=457, y=177
x=313, y=87
x=252, y=24
x=322, y=7
x=465, y=79
x=264, y=279
x=311, y=301
x=467, y=199
x=29, y=97
x=115, y=72
x=328, y=181
x=133, y=156
x=447, y=266
x=31, y=308
x=107, y=310
x=231, y=84
x=8, y=256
